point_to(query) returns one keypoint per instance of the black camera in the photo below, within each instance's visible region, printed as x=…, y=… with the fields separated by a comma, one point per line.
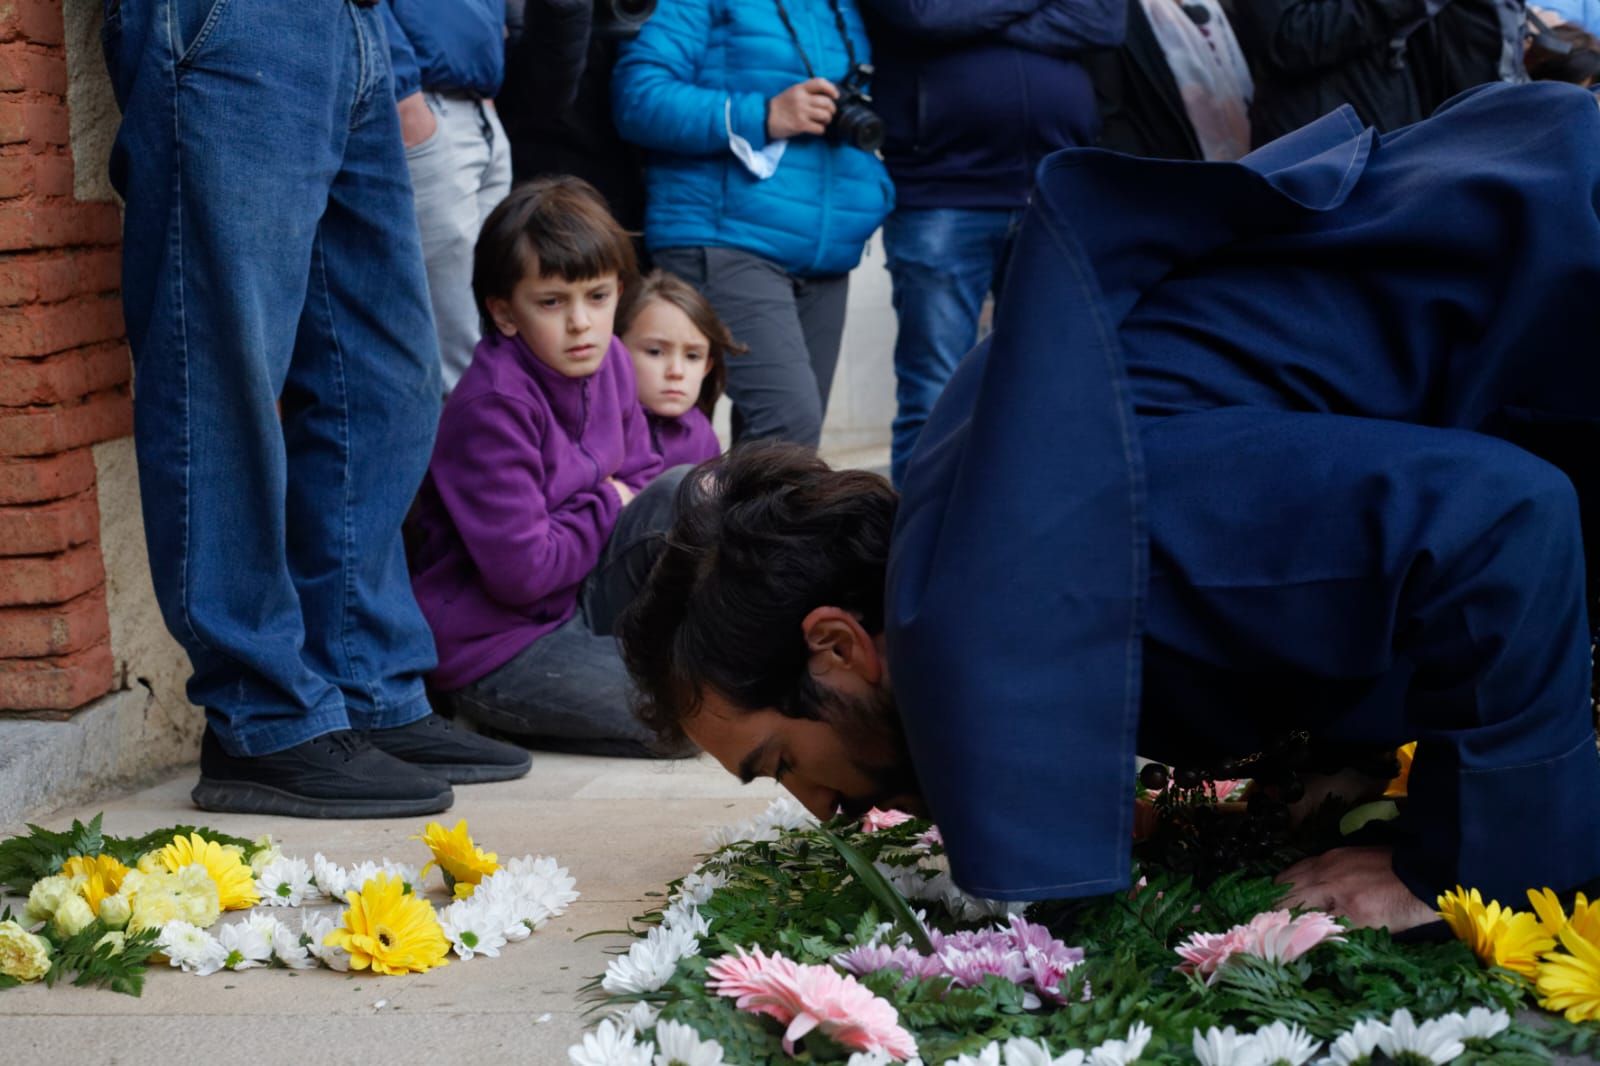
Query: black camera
x=621, y=19
x=854, y=122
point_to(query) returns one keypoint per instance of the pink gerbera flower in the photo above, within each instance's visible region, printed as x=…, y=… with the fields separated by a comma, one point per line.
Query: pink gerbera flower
x=804, y=998
x=1272, y=935
x=875, y=820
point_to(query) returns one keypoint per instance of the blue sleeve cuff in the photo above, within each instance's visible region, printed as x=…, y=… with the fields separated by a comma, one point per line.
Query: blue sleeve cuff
x=749, y=119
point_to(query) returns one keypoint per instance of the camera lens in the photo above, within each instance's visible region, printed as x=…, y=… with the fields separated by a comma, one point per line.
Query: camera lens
x=858, y=126
x=622, y=18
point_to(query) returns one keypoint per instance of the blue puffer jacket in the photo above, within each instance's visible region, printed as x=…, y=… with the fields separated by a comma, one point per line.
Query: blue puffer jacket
x=700, y=66
x=456, y=46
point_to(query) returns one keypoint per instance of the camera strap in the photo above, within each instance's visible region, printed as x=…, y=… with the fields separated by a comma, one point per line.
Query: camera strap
x=844, y=34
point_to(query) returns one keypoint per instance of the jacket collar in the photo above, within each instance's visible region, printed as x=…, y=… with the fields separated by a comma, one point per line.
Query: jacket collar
x=568, y=398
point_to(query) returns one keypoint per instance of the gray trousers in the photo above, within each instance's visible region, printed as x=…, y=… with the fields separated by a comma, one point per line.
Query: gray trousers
x=569, y=690
x=793, y=327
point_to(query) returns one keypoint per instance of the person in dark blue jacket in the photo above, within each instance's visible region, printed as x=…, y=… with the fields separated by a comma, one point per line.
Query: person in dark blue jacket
x=749, y=197
x=974, y=95
x=448, y=62
x=1295, y=448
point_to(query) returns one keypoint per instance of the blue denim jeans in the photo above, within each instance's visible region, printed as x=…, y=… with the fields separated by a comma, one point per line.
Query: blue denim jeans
x=286, y=374
x=943, y=262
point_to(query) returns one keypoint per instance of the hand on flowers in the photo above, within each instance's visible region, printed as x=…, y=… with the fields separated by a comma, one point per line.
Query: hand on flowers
x=1358, y=884
x=804, y=108
x=624, y=493
x=417, y=122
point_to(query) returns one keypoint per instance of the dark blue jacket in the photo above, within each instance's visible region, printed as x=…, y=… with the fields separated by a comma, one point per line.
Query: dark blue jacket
x=975, y=93
x=456, y=46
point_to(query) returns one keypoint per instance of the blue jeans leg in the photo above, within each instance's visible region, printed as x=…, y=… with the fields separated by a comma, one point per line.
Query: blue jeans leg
x=943, y=262
x=245, y=149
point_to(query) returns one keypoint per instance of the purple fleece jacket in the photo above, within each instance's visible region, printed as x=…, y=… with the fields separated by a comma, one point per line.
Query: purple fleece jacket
x=513, y=513
x=687, y=439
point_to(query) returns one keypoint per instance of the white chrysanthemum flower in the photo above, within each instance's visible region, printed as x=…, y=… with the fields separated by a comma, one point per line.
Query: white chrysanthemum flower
x=1282, y=1045
x=1355, y=1047
x=650, y=962
x=610, y=1045
x=330, y=878
x=404, y=872
x=1222, y=1047
x=360, y=874
x=685, y=915
x=698, y=886
x=287, y=948
x=638, y=1016
x=1481, y=1023
x=989, y=1056
x=474, y=928
x=285, y=883
x=191, y=948
x=1020, y=1051
x=783, y=814
x=1121, y=1052
x=878, y=1058
x=1437, y=1041
x=680, y=1045
x=314, y=929
x=245, y=946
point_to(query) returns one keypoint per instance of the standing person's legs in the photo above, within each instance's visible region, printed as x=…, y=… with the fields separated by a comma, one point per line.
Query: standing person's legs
x=821, y=303
x=774, y=385
x=453, y=174
x=943, y=262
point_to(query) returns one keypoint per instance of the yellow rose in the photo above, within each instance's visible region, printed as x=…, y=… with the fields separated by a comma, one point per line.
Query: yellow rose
x=23, y=955
x=73, y=916
x=116, y=910
x=48, y=894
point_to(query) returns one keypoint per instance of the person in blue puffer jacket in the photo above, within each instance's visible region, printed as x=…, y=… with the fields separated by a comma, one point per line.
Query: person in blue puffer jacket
x=749, y=199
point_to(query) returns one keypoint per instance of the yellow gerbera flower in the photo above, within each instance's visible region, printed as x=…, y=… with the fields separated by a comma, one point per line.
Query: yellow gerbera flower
x=389, y=930
x=1498, y=935
x=1585, y=918
x=462, y=862
x=102, y=876
x=1571, y=983
x=236, y=887
x=1402, y=780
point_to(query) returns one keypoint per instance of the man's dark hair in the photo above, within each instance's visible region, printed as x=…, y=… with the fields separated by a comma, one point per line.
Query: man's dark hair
x=762, y=536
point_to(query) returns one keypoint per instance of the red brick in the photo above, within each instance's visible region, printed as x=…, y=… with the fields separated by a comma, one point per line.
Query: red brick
x=41, y=120
x=55, y=629
x=60, y=682
x=48, y=430
x=42, y=329
x=49, y=478
x=45, y=528
x=31, y=225
x=54, y=276
x=34, y=579
x=40, y=175
x=63, y=378
x=38, y=21
x=23, y=68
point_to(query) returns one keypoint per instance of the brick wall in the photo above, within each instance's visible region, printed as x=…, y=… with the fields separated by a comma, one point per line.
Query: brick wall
x=64, y=381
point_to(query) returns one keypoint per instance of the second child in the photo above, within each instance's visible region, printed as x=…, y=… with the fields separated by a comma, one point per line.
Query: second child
x=534, y=524
x=680, y=350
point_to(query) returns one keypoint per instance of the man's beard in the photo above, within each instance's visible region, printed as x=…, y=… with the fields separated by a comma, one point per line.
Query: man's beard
x=870, y=727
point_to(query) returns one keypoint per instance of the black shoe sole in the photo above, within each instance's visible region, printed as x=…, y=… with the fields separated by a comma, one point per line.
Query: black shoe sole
x=477, y=773
x=249, y=797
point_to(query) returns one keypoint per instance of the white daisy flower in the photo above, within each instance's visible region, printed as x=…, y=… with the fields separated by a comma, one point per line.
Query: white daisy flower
x=989, y=1056
x=640, y=1016
x=359, y=875
x=245, y=946
x=1355, y=1047
x=1020, y=1051
x=783, y=814
x=878, y=1058
x=1481, y=1023
x=650, y=962
x=1222, y=1047
x=685, y=915
x=285, y=883
x=698, y=886
x=265, y=854
x=610, y=1045
x=314, y=929
x=680, y=1045
x=191, y=948
x=330, y=878
x=1282, y=1045
x=1437, y=1041
x=1121, y=1052
x=404, y=872
x=287, y=948
x=474, y=928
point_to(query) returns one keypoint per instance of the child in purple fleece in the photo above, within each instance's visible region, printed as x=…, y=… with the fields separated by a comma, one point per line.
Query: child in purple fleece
x=527, y=538
x=680, y=350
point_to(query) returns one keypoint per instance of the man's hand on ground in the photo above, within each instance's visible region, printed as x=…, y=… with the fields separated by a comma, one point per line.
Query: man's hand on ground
x=417, y=121
x=804, y=108
x=1358, y=884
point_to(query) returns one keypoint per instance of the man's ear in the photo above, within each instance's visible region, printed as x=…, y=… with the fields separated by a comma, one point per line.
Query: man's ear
x=837, y=640
x=500, y=311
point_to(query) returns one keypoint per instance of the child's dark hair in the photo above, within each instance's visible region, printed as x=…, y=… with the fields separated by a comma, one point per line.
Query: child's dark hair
x=660, y=285
x=1562, y=52
x=558, y=226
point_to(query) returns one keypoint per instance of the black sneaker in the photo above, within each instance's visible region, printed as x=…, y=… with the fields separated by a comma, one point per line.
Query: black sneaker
x=339, y=775
x=436, y=745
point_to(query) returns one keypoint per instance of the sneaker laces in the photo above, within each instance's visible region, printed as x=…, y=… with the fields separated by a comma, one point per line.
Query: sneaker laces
x=344, y=742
